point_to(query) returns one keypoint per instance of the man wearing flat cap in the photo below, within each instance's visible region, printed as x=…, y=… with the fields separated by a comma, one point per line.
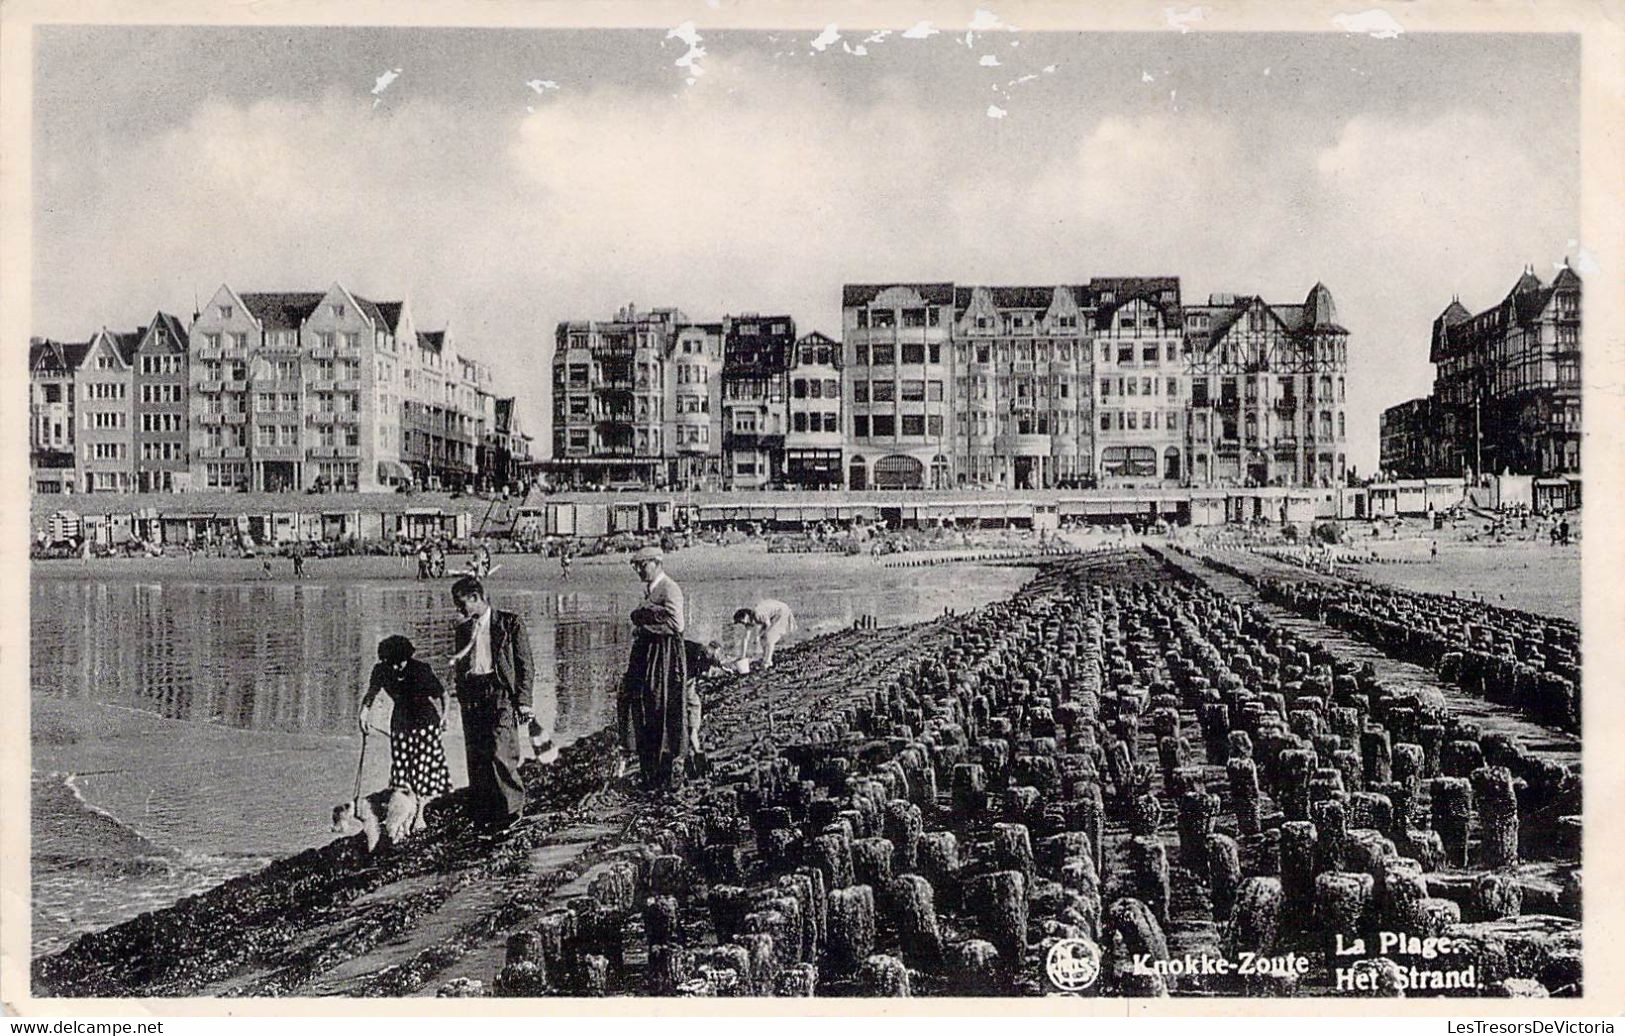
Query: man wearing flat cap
x=650, y=709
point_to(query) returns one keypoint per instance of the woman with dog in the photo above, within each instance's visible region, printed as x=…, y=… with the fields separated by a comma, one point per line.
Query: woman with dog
x=417, y=759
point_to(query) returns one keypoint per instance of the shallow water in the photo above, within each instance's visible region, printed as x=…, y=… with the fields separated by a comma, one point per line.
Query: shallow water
x=184, y=732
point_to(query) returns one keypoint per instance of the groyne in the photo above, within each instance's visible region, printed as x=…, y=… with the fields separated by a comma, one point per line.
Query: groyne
x=1126, y=763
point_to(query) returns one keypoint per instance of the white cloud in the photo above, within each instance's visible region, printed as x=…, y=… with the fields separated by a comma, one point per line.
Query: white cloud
x=604, y=195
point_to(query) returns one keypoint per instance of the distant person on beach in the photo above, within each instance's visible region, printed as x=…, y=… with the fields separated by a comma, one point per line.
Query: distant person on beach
x=651, y=708
x=298, y=563
x=771, y=620
x=423, y=561
x=417, y=759
x=564, y=561
x=494, y=674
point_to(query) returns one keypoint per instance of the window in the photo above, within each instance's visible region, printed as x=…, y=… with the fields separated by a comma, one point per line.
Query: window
x=885, y=426
x=934, y=425
x=832, y=422
x=815, y=389
x=1105, y=421
x=798, y=421
x=913, y=424
x=884, y=391
x=863, y=318
x=832, y=388
x=883, y=318
x=225, y=312
x=1125, y=354
x=885, y=355
x=933, y=391
x=860, y=354
x=860, y=392
x=913, y=352
x=1173, y=388
x=913, y=391
x=860, y=426
x=913, y=318
x=1148, y=353
x=798, y=388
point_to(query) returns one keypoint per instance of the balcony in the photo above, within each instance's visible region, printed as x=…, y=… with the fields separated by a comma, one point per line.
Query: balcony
x=319, y=385
x=335, y=452
x=1286, y=406
x=222, y=452
x=210, y=386
x=211, y=419
x=1230, y=403
x=348, y=385
x=234, y=385
x=1286, y=444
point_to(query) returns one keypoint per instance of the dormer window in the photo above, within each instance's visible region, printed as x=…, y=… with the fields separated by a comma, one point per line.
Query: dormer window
x=225, y=312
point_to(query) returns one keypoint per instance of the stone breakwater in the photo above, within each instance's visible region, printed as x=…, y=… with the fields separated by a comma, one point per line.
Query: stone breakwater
x=1121, y=754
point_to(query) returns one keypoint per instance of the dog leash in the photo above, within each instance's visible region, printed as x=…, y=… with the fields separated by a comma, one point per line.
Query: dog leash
x=362, y=762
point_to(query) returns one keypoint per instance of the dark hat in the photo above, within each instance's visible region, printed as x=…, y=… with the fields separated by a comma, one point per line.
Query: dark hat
x=395, y=649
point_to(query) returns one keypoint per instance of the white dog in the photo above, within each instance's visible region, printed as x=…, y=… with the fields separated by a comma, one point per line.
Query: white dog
x=391, y=815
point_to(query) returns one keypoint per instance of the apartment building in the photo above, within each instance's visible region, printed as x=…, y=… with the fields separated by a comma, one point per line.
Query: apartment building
x=105, y=384
x=1268, y=390
x=694, y=406
x=812, y=445
x=756, y=353
x=159, y=407
x=897, y=346
x=53, y=369
x=609, y=398
x=1021, y=388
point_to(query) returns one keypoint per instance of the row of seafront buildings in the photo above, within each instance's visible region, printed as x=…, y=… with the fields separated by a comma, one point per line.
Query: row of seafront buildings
x=1113, y=382
x=1506, y=390
x=269, y=391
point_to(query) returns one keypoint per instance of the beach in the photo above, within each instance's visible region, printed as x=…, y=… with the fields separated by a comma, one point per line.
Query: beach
x=193, y=719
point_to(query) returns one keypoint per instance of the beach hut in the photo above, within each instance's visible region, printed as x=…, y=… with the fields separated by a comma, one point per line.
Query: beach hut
x=417, y=523
x=64, y=527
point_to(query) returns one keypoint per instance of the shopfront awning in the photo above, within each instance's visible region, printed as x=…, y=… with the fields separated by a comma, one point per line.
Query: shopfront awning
x=389, y=469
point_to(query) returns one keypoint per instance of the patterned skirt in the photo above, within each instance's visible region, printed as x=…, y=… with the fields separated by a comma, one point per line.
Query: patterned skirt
x=417, y=762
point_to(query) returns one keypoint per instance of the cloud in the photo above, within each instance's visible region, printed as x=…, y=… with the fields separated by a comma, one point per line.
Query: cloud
x=761, y=189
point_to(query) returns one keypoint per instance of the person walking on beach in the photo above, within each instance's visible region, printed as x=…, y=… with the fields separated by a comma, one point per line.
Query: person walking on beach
x=417, y=759
x=298, y=562
x=494, y=674
x=651, y=711
x=772, y=620
x=564, y=561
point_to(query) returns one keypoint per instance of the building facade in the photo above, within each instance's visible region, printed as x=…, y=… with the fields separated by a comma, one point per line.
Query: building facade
x=53, y=369
x=897, y=343
x=812, y=445
x=1507, y=381
x=1140, y=373
x=609, y=398
x=694, y=406
x=1268, y=384
x=159, y=407
x=105, y=386
x=295, y=390
x=756, y=352
x=1021, y=390
x=1410, y=434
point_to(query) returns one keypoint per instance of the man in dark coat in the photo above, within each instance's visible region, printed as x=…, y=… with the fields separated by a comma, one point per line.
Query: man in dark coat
x=493, y=676
x=652, y=707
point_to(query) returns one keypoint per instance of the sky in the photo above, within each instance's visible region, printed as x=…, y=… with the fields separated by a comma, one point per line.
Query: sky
x=506, y=179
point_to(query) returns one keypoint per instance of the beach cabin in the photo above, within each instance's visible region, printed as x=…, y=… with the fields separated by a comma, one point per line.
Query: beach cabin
x=1556, y=494
x=63, y=527
x=418, y=523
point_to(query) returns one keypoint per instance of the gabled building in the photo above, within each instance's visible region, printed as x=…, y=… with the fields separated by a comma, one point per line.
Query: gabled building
x=52, y=440
x=296, y=390
x=1139, y=348
x=1267, y=391
x=1507, y=381
x=756, y=353
x=812, y=445
x=159, y=407
x=1021, y=389
x=105, y=385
